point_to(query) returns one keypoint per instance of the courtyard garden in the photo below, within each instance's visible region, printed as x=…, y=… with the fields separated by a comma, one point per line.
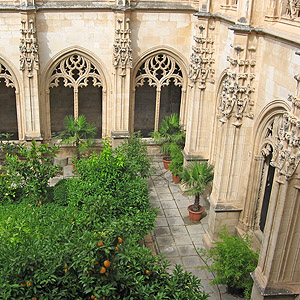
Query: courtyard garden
x=79, y=239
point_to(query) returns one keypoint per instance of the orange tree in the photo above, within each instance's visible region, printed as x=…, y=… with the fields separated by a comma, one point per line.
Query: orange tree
x=86, y=248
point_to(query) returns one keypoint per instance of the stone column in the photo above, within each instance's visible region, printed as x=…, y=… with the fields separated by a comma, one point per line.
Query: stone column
x=122, y=61
x=29, y=65
x=201, y=72
x=278, y=272
x=234, y=143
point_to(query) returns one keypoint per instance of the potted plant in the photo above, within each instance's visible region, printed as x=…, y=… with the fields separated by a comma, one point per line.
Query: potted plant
x=196, y=177
x=170, y=131
x=78, y=133
x=176, y=164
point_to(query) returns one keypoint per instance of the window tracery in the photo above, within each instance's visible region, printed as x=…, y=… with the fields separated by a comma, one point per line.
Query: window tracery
x=159, y=71
x=76, y=71
x=5, y=74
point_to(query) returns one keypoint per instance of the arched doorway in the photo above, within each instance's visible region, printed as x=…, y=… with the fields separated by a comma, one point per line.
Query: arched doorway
x=75, y=87
x=158, y=92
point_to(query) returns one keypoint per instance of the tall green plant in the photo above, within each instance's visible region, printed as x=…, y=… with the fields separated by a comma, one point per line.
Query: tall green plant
x=196, y=177
x=78, y=133
x=176, y=156
x=170, y=131
x=231, y=260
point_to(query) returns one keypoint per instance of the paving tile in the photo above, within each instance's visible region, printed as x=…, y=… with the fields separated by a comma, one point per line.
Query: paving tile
x=175, y=221
x=195, y=229
x=190, y=261
x=156, y=204
x=169, y=251
x=207, y=287
x=197, y=238
x=160, y=213
x=161, y=222
x=182, y=240
x=182, y=203
x=163, y=190
x=183, y=212
x=165, y=241
x=165, y=197
x=171, y=212
x=162, y=231
x=178, y=230
x=175, y=260
x=198, y=272
x=168, y=204
x=186, y=250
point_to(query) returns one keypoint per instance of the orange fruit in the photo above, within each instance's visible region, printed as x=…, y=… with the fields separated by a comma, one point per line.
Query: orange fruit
x=66, y=266
x=87, y=272
x=100, y=244
x=117, y=248
x=120, y=240
x=30, y=284
x=107, y=263
x=66, y=271
x=103, y=270
x=147, y=272
x=34, y=298
x=92, y=297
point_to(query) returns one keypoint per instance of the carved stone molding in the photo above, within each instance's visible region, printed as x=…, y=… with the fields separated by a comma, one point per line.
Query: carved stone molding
x=287, y=150
x=292, y=9
x=159, y=71
x=123, y=2
x=237, y=89
x=202, y=57
x=76, y=72
x=29, y=57
x=122, y=53
x=5, y=74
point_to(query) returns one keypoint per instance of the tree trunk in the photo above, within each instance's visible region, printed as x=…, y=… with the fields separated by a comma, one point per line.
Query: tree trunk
x=196, y=203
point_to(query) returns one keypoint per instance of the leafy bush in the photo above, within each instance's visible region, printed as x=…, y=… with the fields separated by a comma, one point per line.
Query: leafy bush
x=31, y=168
x=61, y=192
x=135, y=152
x=232, y=260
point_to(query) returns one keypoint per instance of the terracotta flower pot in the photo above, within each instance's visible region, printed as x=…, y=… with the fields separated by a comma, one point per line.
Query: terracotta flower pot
x=195, y=216
x=175, y=178
x=166, y=161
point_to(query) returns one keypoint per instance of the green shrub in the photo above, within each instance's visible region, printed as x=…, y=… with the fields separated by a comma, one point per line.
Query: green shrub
x=232, y=260
x=61, y=192
x=31, y=168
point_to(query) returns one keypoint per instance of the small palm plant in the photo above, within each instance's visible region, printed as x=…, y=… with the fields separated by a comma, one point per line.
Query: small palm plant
x=78, y=133
x=196, y=177
x=170, y=131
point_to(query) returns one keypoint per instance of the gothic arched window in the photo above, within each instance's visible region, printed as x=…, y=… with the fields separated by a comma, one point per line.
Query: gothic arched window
x=158, y=84
x=76, y=89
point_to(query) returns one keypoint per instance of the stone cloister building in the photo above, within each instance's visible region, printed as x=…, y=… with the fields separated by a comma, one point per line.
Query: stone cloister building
x=229, y=68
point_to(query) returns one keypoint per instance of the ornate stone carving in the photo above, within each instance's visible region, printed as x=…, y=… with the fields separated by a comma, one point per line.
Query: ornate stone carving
x=237, y=88
x=5, y=74
x=293, y=9
x=202, y=57
x=29, y=57
x=122, y=54
x=76, y=71
x=159, y=71
x=287, y=150
x=123, y=2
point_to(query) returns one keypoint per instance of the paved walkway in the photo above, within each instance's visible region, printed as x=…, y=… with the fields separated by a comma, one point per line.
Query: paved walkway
x=174, y=234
